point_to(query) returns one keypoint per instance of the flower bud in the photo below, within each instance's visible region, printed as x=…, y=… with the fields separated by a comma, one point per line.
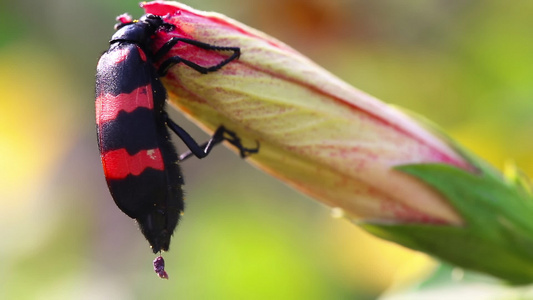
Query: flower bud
x=317, y=134
x=381, y=168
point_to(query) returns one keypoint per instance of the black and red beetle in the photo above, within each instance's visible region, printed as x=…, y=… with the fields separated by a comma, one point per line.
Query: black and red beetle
x=140, y=162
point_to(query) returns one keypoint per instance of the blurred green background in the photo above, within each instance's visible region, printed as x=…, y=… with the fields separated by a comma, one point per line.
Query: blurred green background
x=467, y=65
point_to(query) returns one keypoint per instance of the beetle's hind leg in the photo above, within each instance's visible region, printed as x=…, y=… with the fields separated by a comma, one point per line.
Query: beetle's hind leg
x=201, y=151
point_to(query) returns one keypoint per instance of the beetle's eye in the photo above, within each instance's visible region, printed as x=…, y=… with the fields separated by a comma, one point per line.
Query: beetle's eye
x=150, y=16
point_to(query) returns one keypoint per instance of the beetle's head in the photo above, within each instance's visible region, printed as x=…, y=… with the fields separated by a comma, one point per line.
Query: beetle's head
x=138, y=31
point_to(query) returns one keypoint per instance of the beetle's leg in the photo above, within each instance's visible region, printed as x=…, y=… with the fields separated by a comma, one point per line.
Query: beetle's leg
x=201, y=151
x=170, y=62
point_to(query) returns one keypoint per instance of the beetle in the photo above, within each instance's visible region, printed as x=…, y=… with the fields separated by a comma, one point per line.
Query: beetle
x=139, y=160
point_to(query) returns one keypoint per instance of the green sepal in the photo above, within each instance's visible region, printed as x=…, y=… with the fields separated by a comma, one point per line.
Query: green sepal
x=497, y=235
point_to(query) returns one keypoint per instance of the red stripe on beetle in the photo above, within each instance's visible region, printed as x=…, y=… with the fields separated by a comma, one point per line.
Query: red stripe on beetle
x=118, y=163
x=108, y=106
x=117, y=55
x=141, y=53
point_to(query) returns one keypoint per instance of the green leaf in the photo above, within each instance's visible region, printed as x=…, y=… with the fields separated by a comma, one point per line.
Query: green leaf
x=497, y=237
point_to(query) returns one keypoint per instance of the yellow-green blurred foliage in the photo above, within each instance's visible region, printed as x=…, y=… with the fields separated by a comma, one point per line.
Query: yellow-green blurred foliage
x=467, y=65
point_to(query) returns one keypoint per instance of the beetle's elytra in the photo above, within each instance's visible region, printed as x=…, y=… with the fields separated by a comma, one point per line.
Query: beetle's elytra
x=140, y=162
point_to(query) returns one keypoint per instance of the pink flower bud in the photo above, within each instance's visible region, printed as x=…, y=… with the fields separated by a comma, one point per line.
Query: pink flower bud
x=317, y=133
